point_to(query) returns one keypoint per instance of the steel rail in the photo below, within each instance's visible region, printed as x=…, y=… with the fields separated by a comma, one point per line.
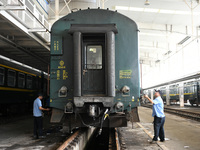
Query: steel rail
x=182, y=113
x=78, y=140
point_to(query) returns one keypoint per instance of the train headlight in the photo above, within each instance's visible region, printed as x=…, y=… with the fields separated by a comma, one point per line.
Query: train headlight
x=125, y=89
x=62, y=92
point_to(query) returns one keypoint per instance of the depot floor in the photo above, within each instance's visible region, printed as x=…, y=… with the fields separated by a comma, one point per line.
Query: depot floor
x=180, y=133
x=18, y=135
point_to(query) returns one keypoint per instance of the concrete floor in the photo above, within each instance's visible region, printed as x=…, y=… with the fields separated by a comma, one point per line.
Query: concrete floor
x=134, y=138
x=18, y=135
x=186, y=108
x=180, y=133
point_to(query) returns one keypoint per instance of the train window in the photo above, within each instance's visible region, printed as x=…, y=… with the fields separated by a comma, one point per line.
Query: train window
x=11, y=78
x=21, y=80
x=94, y=57
x=29, y=82
x=2, y=75
x=185, y=90
x=191, y=89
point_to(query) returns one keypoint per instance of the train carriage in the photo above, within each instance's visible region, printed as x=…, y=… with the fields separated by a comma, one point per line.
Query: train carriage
x=94, y=69
x=191, y=92
x=174, y=93
x=19, y=86
x=163, y=93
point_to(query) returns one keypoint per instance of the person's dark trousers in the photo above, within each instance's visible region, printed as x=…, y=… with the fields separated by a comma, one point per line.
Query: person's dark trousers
x=159, y=128
x=38, y=126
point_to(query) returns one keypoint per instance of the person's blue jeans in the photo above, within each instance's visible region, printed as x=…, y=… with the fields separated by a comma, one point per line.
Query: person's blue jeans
x=159, y=128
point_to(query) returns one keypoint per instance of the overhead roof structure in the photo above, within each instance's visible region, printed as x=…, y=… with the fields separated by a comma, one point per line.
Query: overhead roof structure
x=163, y=25
x=20, y=39
x=166, y=27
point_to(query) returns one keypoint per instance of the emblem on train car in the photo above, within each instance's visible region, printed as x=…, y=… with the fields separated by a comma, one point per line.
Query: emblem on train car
x=61, y=65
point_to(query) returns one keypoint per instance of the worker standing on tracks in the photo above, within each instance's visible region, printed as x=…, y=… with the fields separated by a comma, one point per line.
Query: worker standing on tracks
x=159, y=117
x=37, y=113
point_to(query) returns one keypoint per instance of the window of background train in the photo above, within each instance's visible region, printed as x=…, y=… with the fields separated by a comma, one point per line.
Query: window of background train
x=11, y=78
x=94, y=57
x=2, y=75
x=29, y=82
x=21, y=80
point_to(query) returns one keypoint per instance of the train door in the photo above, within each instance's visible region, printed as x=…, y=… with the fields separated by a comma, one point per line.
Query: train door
x=93, y=65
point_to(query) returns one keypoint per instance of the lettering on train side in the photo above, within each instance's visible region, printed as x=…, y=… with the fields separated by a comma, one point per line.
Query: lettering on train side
x=65, y=74
x=58, y=74
x=56, y=45
x=125, y=74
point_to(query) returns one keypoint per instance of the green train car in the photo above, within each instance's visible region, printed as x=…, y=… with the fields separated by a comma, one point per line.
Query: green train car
x=19, y=87
x=163, y=93
x=94, y=69
x=174, y=93
x=192, y=92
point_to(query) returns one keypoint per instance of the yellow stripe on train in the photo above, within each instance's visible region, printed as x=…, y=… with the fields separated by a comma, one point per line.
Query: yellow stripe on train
x=15, y=89
x=17, y=70
x=178, y=94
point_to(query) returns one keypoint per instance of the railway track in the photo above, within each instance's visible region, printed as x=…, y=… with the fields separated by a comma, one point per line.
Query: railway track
x=88, y=138
x=182, y=113
x=78, y=140
x=114, y=143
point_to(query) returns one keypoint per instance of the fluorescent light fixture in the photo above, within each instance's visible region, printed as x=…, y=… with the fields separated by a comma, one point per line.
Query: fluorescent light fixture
x=182, y=12
x=121, y=8
x=21, y=64
x=152, y=34
x=151, y=48
x=153, y=10
x=196, y=13
x=136, y=9
x=5, y=58
x=163, y=11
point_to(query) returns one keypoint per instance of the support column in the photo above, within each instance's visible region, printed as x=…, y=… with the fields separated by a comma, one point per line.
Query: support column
x=167, y=96
x=152, y=94
x=110, y=50
x=103, y=3
x=77, y=63
x=56, y=9
x=181, y=94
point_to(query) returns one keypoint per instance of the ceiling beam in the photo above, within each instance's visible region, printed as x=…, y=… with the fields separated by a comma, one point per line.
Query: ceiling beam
x=12, y=7
x=37, y=30
x=14, y=45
